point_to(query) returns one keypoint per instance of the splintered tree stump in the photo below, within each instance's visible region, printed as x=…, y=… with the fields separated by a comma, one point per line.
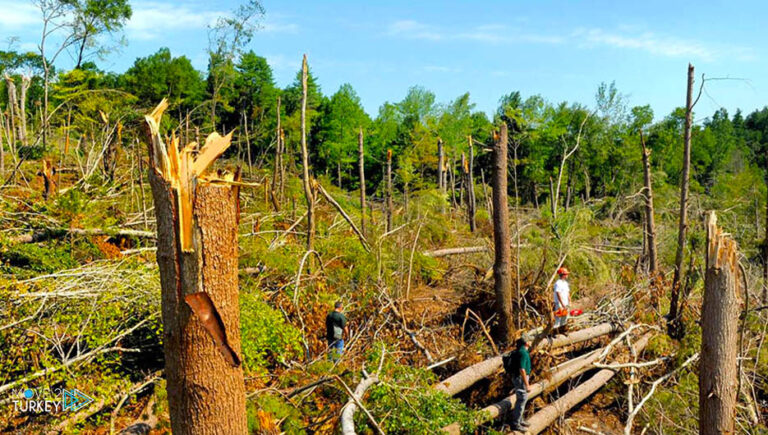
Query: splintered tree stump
x=197, y=219
x=718, y=377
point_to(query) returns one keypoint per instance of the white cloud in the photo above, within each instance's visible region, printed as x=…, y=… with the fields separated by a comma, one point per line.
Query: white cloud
x=624, y=37
x=489, y=33
x=440, y=69
x=278, y=27
x=153, y=20
x=661, y=45
x=17, y=15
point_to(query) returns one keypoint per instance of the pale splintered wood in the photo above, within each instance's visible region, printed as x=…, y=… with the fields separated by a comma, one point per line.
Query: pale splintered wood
x=720, y=309
x=181, y=169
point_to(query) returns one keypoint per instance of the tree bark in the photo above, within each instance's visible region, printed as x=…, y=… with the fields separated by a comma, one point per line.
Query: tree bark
x=718, y=370
x=502, y=272
x=455, y=251
x=440, y=164
x=277, y=164
x=361, y=164
x=348, y=413
x=471, y=187
x=199, y=282
x=683, y=222
x=309, y=195
x=765, y=242
x=389, y=191
x=549, y=414
x=649, y=220
x=468, y=376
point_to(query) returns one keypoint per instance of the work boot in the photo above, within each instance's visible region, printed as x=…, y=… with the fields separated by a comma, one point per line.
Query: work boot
x=525, y=424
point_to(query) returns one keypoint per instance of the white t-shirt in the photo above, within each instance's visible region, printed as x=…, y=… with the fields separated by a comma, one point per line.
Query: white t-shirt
x=562, y=288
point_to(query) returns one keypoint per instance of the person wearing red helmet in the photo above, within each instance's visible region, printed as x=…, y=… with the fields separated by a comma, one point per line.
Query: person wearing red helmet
x=562, y=297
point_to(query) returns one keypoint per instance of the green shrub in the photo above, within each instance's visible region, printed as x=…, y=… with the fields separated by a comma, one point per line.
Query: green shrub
x=265, y=334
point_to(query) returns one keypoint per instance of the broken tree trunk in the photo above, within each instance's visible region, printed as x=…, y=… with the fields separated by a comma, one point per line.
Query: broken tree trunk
x=305, y=159
x=455, y=251
x=49, y=180
x=197, y=218
x=278, y=157
x=650, y=226
x=389, y=191
x=502, y=272
x=549, y=414
x=683, y=222
x=361, y=164
x=468, y=376
x=471, y=187
x=718, y=369
x=347, y=415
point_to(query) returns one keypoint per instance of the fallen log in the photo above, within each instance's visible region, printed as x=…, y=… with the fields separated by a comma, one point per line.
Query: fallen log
x=468, y=376
x=57, y=233
x=347, y=415
x=547, y=415
x=455, y=251
x=560, y=374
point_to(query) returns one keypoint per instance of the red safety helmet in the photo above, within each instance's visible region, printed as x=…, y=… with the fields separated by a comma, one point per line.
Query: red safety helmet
x=562, y=271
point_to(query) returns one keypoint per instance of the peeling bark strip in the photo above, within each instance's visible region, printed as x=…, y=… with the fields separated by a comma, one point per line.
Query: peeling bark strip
x=206, y=392
x=718, y=377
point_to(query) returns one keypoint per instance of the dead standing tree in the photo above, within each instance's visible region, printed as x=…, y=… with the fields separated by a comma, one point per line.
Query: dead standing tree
x=650, y=227
x=305, y=159
x=718, y=374
x=673, y=318
x=502, y=272
x=277, y=172
x=471, y=187
x=197, y=217
x=361, y=163
x=389, y=191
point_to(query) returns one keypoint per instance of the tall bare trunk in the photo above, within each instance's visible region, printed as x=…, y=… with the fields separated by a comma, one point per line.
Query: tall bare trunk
x=649, y=221
x=197, y=257
x=25, y=82
x=452, y=177
x=502, y=273
x=683, y=223
x=338, y=172
x=718, y=370
x=361, y=163
x=440, y=164
x=462, y=179
x=305, y=159
x=389, y=191
x=277, y=163
x=765, y=244
x=471, y=187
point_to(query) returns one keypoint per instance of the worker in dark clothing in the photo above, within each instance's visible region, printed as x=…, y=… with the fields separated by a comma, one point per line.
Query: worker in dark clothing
x=521, y=382
x=335, y=330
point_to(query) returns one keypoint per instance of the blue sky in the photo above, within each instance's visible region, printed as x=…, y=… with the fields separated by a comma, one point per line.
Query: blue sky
x=560, y=49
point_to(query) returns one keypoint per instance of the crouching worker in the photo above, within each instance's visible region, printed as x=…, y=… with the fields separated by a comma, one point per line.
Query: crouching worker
x=517, y=364
x=335, y=329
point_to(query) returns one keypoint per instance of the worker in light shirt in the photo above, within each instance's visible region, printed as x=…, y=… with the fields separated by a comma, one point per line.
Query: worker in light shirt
x=562, y=296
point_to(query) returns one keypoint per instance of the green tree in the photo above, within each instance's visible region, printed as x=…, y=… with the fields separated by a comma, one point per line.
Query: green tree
x=92, y=18
x=159, y=76
x=341, y=118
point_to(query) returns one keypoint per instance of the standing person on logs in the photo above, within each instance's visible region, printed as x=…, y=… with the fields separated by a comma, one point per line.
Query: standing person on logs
x=517, y=364
x=562, y=296
x=335, y=329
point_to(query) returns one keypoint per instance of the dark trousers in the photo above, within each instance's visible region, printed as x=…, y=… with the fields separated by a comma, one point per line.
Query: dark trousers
x=521, y=394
